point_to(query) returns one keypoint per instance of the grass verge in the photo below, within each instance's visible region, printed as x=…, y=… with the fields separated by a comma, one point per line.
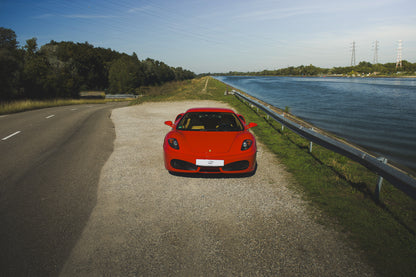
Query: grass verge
x=342, y=190
x=26, y=105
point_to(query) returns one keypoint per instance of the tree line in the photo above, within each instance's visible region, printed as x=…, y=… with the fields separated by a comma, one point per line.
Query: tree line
x=363, y=68
x=64, y=69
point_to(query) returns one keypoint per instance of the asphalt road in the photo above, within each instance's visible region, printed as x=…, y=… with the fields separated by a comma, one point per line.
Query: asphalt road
x=50, y=165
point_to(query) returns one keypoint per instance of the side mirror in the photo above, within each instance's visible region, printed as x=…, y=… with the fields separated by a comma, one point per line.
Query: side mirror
x=251, y=125
x=169, y=123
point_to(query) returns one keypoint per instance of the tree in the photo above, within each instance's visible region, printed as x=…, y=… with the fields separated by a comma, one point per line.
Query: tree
x=408, y=67
x=10, y=64
x=165, y=73
x=8, y=39
x=36, y=71
x=31, y=46
x=364, y=67
x=124, y=75
x=181, y=74
x=149, y=72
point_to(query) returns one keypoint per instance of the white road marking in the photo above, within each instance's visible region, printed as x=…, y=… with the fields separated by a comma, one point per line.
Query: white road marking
x=52, y=115
x=3, y=116
x=74, y=109
x=9, y=136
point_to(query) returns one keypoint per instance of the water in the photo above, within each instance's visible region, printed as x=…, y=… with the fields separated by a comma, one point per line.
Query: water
x=378, y=114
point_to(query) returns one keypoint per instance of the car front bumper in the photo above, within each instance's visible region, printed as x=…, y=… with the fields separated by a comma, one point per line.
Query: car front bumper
x=243, y=162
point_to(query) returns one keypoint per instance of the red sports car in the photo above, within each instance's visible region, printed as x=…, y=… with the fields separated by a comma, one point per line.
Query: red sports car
x=210, y=140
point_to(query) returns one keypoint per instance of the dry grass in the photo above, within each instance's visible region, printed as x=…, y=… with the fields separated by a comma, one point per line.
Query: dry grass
x=26, y=105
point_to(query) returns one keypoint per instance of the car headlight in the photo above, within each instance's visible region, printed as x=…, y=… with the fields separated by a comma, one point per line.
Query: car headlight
x=246, y=144
x=173, y=143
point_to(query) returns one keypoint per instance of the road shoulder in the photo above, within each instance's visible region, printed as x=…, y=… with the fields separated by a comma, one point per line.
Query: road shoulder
x=148, y=222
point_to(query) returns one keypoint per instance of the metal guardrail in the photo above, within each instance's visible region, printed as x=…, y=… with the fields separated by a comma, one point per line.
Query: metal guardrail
x=120, y=96
x=397, y=178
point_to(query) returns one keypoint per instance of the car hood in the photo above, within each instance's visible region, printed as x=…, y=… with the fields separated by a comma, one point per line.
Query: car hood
x=209, y=142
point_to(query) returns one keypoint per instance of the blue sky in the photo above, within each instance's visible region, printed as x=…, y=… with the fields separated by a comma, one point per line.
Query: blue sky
x=227, y=35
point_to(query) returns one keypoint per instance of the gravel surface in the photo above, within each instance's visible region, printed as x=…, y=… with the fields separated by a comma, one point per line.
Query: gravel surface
x=148, y=222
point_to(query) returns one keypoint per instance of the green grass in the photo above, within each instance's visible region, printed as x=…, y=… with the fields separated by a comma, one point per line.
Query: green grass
x=177, y=91
x=342, y=190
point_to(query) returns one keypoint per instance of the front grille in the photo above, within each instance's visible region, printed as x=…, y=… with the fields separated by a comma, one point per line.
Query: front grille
x=236, y=166
x=209, y=169
x=183, y=165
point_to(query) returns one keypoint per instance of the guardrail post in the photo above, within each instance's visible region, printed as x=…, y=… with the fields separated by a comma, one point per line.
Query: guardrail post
x=380, y=179
x=283, y=126
x=310, y=144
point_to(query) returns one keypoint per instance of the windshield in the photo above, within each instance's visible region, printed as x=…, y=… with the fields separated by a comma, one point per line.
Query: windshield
x=210, y=121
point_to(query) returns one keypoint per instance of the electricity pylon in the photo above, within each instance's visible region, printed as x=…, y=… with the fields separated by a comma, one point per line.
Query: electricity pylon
x=353, y=54
x=375, y=58
x=399, y=56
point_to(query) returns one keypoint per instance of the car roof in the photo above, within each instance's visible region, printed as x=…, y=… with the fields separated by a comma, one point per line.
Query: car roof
x=224, y=110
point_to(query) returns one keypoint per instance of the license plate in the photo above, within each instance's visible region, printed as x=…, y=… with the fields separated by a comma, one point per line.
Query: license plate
x=204, y=162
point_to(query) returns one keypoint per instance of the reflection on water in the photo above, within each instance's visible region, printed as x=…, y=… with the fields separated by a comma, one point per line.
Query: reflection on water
x=376, y=113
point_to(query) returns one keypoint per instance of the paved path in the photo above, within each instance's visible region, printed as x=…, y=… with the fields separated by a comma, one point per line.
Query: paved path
x=150, y=223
